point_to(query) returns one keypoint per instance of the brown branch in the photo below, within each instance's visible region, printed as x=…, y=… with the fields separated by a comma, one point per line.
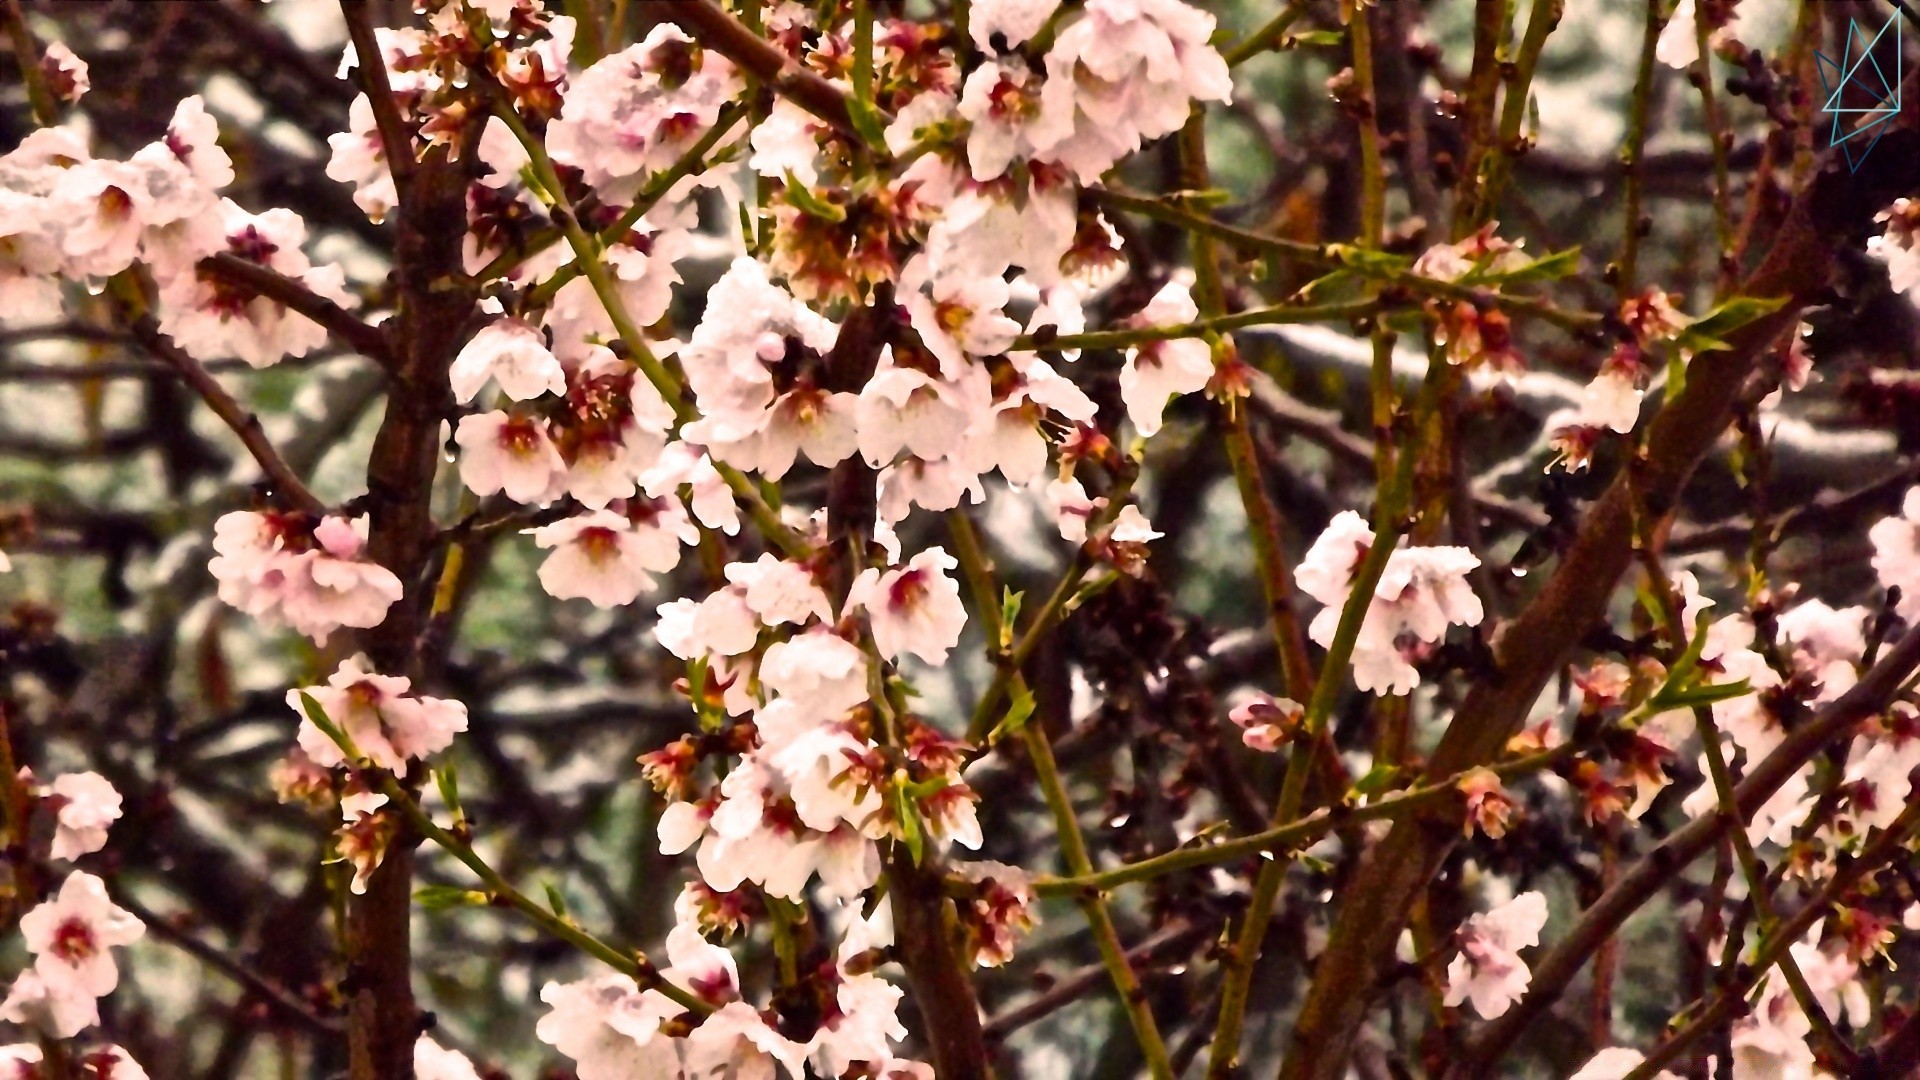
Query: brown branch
x=291, y=294
x=1556, y=970
x=728, y=36
x=1068, y=989
x=396, y=140
x=256, y=985
x=244, y=423
x=1322, y=428
x=949, y=1012
x=1538, y=642
x=1775, y=947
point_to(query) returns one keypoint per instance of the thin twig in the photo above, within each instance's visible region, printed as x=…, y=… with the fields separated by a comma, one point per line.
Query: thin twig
x=245, y=424
x=396, y=141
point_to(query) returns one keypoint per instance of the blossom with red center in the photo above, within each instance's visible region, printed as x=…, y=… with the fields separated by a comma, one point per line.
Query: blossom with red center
x=605, y=558
x=379, y=714
x=71, y=937
x=1489, y=807
x=1488, y=969
x=915, y=608
x=1267, y=722
x=504, y=452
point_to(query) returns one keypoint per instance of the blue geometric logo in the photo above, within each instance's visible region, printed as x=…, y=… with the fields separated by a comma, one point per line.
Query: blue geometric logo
x=1860, y=97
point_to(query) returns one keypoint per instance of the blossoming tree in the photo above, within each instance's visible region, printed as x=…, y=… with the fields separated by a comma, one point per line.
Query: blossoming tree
x=955, y=538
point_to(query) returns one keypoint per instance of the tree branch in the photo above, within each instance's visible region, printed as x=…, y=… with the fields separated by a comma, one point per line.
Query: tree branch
x=291, y=294
x=728, y=36
x=244, y=423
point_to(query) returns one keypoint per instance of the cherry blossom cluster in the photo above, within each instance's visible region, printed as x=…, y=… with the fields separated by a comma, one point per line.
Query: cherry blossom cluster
x=1421, y=592
x=71, y=935
x=286, y=568
x=612, y=1029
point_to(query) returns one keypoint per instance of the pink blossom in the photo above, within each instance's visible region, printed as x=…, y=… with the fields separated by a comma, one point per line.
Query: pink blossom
x=279, y=568
x=721, y=625
x=503, y=452
x=88, y=804
x=683, y=464
x=915, y=608
x=1896, y=554
x=999, y=911
x=71, y=937
x=332, y=585
x=212, y=318
x=609, y=1029
x=931, y=485
x=1013, y=21
x=1899, y=247
x=1127, y=71
x=359, y=158
x=1159, y=370
x=1614, y=1064
x=819, y=670
x=635, y=112
x=65, y=73
x=1421, y=592
x=643, y=277
x=1001, y=100
x=956, y=315
x=380, y=715
x=985, y=231
x=431, y=1061
x=781, y=592
x=1488, y=969
x=1267, y=722
x=605, y=558
x=1071, y=508
x=512, y=353
x=902, y=408
x=786, y=143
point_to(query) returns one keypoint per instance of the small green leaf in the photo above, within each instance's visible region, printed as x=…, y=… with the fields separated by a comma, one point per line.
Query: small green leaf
x=910, y=831
x=1709, y=332
x=872, y=132
x=810, y=204
x=1019, y=708
x=436, y=897
x=318, y=716
x=1377, y=780
x=1694, y=697
x=447, y=780
x=1009, y=612
x=1366, y=260
x=1313, y=37
x=1676, y=374
x=554, y=900
x=1551, y=267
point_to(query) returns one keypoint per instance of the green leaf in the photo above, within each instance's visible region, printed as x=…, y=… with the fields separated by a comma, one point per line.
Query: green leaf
x=1313, y=37
x=810, y=204
x=910, y=831
x=318, y=716
x=1676, y=374
x=1709, y=332
x=1019, y=708
x=1366, y=260
x=1694, y=697
x=872, y=132
x=1552, y=267
x=436, y=897
x=447, y=780
x=1377, y=780
x=1009, y=612
x=554, y=900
